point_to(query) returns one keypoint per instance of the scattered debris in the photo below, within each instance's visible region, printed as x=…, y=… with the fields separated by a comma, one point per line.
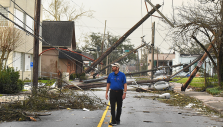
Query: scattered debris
x=147, y=121
x=189, y=105
x=84, y=109
x=33, y=119
x=165, y=96
x=161, y=85
x=48, y=98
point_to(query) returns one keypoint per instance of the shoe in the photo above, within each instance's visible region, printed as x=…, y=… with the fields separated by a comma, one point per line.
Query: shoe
x=113, y=123
x=118, y=122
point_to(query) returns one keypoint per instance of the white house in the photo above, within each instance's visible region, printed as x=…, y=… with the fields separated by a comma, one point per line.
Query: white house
x=189, y=58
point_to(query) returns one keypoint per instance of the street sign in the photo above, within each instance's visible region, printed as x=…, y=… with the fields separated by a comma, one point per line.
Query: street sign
x=126, y=50
x=31, y=64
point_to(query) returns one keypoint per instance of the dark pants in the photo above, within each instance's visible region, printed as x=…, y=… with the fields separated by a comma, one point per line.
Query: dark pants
x=116, y=96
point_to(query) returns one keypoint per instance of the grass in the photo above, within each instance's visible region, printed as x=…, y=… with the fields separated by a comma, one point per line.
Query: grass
x=196, y=82
x=42, y=81
x=199, y=83
x=214, y=90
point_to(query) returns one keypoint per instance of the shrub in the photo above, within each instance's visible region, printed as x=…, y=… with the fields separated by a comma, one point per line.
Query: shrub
x=73, y=76
x=10, y=82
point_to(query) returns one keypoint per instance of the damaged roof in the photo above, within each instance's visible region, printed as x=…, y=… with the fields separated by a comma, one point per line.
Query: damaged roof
x=58, y=33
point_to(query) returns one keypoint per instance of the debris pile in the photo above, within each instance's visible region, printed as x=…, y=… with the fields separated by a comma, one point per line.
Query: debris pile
x=48, y=99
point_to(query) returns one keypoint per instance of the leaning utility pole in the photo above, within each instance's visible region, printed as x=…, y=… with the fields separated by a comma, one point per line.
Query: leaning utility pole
x=117, y=60
x=153, y=39
x=117, y=43
x=183, y=88
x=36, y=43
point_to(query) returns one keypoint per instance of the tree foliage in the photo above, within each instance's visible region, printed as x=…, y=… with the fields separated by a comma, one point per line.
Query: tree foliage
x=94, y=42
x=205, y=22
x=10, y=39
x=63, y=10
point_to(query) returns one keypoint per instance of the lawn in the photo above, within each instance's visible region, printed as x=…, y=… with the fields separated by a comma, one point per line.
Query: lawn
x=40, y=81
x=196, y=82
x=213, y=87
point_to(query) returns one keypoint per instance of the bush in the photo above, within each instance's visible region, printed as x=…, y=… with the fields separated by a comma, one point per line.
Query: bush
x=73, y=76
x=10, y=82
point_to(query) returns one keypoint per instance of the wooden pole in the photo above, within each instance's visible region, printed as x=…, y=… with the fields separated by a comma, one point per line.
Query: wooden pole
x=183, y=88
x=36, y=44
x=117, y=43
x=152, y=53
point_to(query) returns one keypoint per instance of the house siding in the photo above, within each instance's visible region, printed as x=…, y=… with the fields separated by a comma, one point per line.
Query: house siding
x=26, y=46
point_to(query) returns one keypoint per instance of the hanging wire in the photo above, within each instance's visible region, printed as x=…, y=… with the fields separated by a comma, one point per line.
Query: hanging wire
x=96, y=19
x=42, y=40
x=38, y=37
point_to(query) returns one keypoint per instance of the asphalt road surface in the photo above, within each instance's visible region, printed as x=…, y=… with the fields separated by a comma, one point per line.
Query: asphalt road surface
x=137, y=112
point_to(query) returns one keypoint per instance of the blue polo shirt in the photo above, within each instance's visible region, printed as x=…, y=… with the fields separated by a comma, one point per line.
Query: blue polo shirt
x=117, y=81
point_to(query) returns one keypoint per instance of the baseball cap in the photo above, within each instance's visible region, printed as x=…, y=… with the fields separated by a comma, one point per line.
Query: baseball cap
x=116, y=65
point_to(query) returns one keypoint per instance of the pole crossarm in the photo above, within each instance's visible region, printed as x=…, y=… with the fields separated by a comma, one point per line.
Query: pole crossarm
x=120, y=58
x=117, y=43
x=160, y=13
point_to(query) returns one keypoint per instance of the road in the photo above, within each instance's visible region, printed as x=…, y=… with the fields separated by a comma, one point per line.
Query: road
x=137, y=112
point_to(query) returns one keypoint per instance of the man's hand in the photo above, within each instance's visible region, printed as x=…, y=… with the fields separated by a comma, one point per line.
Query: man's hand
x=106, y=96
x=123, y=96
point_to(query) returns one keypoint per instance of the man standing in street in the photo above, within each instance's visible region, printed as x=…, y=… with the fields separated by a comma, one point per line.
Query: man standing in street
x=117, y=83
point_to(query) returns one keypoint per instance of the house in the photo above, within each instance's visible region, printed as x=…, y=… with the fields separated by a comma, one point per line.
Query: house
x=164, y=59
x=187, y=59
x=21, y=57
x=59, y=49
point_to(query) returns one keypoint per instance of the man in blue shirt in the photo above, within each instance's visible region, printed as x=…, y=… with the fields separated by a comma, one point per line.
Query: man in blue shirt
x=117, y=83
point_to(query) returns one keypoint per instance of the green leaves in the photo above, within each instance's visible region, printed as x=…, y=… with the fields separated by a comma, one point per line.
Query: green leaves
x=10, y=82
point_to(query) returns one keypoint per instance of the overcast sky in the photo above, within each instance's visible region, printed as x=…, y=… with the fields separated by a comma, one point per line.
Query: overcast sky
x=121, y=15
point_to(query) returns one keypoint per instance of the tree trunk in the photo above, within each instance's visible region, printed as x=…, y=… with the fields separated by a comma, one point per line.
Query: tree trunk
x=220, y=66
x=7, y=56
x=2, y=58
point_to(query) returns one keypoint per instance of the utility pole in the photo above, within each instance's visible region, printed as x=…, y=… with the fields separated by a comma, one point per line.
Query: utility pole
x=120, y=58
x=118, y=42
x=107, y=56
x=157, y=60
x=140, y=67
x=36, y=44
x=103, y=39
x=102, y=43
x=183, y=88
x=153, y=39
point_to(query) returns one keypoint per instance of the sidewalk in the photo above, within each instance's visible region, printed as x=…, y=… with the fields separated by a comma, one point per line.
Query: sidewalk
x=215, y=103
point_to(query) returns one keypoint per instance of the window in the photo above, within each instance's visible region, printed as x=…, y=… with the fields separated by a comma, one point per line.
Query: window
x=2, y=19
x=20, y=18
x=17, y=61
x=29, y=23
x=23, y=18
x=28, y=59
